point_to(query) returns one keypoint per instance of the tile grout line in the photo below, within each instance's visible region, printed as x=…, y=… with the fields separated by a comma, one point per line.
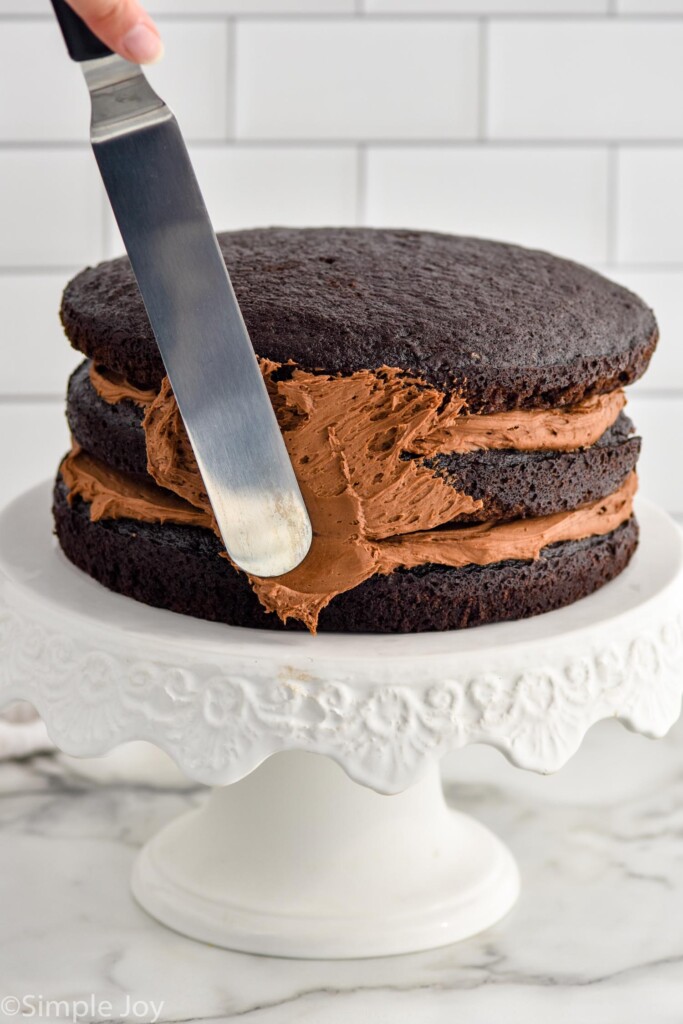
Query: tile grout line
x=482, y=79
x=40, y=270
x=360, y=7
x=640, y=268
x=231, y=83
x=612, y=203
x=312, y=141
x=643, y=391
x=21, y=398
x=361, y=183
x=389, y=16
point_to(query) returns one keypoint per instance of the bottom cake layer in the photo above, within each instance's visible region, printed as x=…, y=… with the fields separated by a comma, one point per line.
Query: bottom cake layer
x=180, y=568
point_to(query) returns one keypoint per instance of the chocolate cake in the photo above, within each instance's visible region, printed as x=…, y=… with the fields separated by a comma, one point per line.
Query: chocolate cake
x=453, y=408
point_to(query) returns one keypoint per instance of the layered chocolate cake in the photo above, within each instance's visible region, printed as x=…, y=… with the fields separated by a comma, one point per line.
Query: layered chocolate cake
x=453, y=408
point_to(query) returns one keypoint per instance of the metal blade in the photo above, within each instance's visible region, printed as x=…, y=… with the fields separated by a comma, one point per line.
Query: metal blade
x=196, y=321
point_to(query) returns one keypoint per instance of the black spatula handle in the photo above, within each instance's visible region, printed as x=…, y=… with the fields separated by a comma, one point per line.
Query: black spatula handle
x=81, y=43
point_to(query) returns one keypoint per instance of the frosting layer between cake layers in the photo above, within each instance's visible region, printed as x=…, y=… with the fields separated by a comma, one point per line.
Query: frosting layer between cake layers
x=357, y=445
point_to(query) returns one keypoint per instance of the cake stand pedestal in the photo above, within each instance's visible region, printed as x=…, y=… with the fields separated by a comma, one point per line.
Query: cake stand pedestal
x=299, y=860
x=298, y=855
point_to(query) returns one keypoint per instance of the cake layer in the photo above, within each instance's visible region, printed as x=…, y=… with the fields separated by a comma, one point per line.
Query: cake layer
x=501, y=326
x=179, y=567
x=342, y=556
x=509, y=484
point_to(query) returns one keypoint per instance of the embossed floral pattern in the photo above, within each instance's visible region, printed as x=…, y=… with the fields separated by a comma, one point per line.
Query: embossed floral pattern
x=219, y=722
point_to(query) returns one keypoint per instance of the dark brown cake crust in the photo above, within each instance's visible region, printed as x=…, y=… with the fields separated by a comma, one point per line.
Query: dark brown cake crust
x=507, y=327
x=523, y=485
x=179, y=568
x=512, y=485
x=112, y=433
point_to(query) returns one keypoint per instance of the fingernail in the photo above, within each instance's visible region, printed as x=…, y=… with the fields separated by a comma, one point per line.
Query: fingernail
x=142, y=45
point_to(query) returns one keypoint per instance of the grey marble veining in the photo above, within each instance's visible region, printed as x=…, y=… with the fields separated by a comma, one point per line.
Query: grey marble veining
x=597, y=936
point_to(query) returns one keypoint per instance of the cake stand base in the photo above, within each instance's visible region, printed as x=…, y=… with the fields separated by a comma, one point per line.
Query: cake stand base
x=297, y=860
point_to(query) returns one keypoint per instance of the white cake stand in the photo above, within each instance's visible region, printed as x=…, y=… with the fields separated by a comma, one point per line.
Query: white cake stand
x=291, y=857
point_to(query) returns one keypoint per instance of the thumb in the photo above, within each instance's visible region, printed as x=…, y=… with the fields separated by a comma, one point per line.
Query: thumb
x=123, y=26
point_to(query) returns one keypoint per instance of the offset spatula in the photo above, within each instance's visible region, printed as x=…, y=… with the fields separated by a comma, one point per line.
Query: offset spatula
x=193, y=310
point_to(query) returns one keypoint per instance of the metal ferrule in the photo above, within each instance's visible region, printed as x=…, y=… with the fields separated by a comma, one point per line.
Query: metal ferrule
x=122, y=98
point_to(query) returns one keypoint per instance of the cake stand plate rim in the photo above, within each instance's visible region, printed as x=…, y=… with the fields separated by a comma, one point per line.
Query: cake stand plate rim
x=184, y=631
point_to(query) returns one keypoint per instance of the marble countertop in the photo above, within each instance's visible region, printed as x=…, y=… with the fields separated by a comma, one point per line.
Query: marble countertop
x=596, y=937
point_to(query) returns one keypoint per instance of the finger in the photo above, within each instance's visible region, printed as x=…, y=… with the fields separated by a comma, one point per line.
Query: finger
x=124, y=26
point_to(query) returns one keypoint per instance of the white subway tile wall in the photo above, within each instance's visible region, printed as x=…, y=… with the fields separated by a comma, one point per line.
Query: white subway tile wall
x=33, y=438
x=51, y=207
x=34, y=358
x=194, y=77
x=349, y=79
x=580, y=79
x=649, y=202
x=554, y=123
x=551, y=198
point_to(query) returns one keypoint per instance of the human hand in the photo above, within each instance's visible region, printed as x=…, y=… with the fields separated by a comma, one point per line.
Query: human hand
x=124, y=26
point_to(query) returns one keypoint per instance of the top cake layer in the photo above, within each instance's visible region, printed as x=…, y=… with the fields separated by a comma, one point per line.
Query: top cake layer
x=504, y=327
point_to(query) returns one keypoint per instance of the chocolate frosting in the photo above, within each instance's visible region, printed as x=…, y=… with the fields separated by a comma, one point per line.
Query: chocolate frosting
x=373, y=508
x=559, y=430
x=113, y=388
x=563, y=429
x=112, y=494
